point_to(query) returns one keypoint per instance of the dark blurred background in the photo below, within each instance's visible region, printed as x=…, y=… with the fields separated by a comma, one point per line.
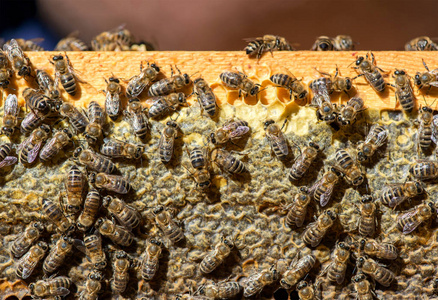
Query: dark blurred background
x=223, y=24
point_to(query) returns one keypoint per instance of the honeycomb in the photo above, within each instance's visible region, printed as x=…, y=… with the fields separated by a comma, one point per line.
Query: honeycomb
x=239, y=206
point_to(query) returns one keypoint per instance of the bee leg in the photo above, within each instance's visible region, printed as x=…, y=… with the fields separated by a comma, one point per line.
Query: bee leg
x=424, y=64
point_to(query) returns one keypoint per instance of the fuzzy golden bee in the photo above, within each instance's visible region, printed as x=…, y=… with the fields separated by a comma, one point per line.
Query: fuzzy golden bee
x=89, y=212
x=347, y=114
x=75, y=117
x=338, y=266
x=163, y=219
x=26, y=265
x=169, y=85
x=30, y=123
x=97, y=119
x=343, y=43
x=58, y=253
x=167, y=141
x=205, y=96
x=51, y=287
x=94, y=161
x=276, y=138
x=228, y=162
x=297, y=210
x=65, y=73
x=125, y=214
x=10, y=115
x=308, y=291
x=375, y=139
x=150, y=261
x=409, y=221
x=422, y=43
x=352, y=171
x=114, y=183
x=424, y=169
x=363, y=287
x=6, y=72
x=28, y=45
x=119, y=149
x=166, y=103
x=19, y=61
x=112, y=99
x=139, y=82
x=378, y=249
x=71, y=43
x=56, y=216
x=118, y=234
x=336, y=83
x=367, y=223
x=256, y=282
x=240, y=81
x=229, y=131
x=267, y=43
x=37, y=102
x=314, y=232
x=325, y=110
x=380, y=274
x=121, y=266
x=322, y=189
x=297, y=270
x=303, y=162
x=23, y=242
x=288, y=81
x=59, y=141
x=28, y=150
x=5, y=159
x=75, y=186
x=220, y=290
x=94, y=250
x=425, y=130
x=213, y=259
x=135, y=114
x=93, y=286
x=198, y=168
x=394, y=194
x=369, y=69
x=48, y=85
x=323, y=43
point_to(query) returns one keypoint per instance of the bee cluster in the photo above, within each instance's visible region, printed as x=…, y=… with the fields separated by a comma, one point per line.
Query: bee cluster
x=120, y=221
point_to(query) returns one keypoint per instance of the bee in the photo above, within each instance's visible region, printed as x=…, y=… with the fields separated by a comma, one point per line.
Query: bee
x=121, y=267
x=163, y=218
x=303, y=162
x=306, y=291
x=94, y=161
x=198, y=169
x=368, y=68
x=28, y=45
x=228, y=162
x=205, y=96
x=23, y=242
x=75, y=186
x=118, y=234
x=213, y=259
x=367, y=220
x=297, y=270
x=240, y=81
x=422, y=43
x=65, y=73
x=71, y=43
x=315, y=231
x=335, y=83
x=96, y=116
x=268, y=42
x=118, y=149
x=112, y=100
x=409, y=221
x=55, y=215
x=375, y=270
x=125, y=214
x=297, y=210
x=323, y=43
x=93, y=285
x=150, y=261
x=47, y=85
x=343, y=43
x=168, y=102
x=51, y=287
x=26, y=265
x=137, y=118
x=57, y=254
x=29, y=149
x=30, y=122
x=276, y=138
x=89, y=212
x=424, y=169
x=19, y=61
x=114, y=183
x=10, y=115
x=350, y=168
x=138, y=83
x=256, y=283
x=322, y=189
x=37, y=102
x=230, y=130
x=59, y=140
x=94, y=250
x=425, y=131
x=375, y=139
x=395, y=194
x=336, y=269
x=378, y=249
x=76, y=119
x=348, y=113
x=321, y=89
x=118, y=39
x=5, y=159
x=167, y=140
x=426, y=79
x=403, y=90
x=6, y=72
x=221, y=290
x=362, y=287
x=169, y=85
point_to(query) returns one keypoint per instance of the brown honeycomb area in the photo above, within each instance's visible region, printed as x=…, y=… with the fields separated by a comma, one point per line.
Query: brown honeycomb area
x=238, y=206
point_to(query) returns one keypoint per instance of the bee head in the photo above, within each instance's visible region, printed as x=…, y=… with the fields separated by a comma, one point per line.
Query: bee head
x=113, y=79
x=359, y=60
x=254, y=91
x=205, y=185
x=303, y=284
x=58, y=57
x=348, y=83
x=158, y=209
x=267, y=123
x=155, y=67
x=121, y=254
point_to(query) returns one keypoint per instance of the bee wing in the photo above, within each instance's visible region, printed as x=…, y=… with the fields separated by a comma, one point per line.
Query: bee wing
x=315, y=186
x=60, y=291
x=79, y=244
x=8, y=161
x=11, y=105
x=280, y=142
x=33, y=153
x=411, y=225
x=112, y=103
x=325, y=197
x=396, y=201
x=27, y=271
x=241, y=130
x=434, y=127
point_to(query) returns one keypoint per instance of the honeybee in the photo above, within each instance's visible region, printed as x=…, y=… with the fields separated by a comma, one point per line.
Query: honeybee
x=51, y=287
x=422, y=43
x=169, y=85
x=395, y=194
x=321, y=88
x=118, y=234
x=19, y=61
x=125, y=214
x=47, y=85
x=303, y=162
x=30, y=147
x=367, y=221
x=57, y=254
x=375, y=270
x=323, y=43
x=426, y=79
x=6, y=72
x=112, y=100
x=118, y=39
x=26, y=265
x=23, y=242
x=347, y=165
x=336, y=269
x=276, y=138
x=114, y=183
x=322, y=189
x=315, y=231
x=343, y=43
x=256, y=283
x=121, y=267
x=59, y=140
x=230, y=130
x=214, y=258
x=297, y=210
x=94, y=250
x=336, y=83
x=93, y=285
x=205, y=96
x=5, y=159
x=30, y=122
x=150, y=261
x=297, y=270
x=89, y=212
x=10, y=115
x=409, y=221
x=375, y=139
x=266, y=43
x=163, y=218
x=65, y=73
x=362, y=287
x=366, y=67
x=29, y=45
x=403, y=90
x=71, y=43
x=119, y=149
x=55, y=215
x=136, y=116
x=424, y=169
x=75, y=186
x=167, y=140
x=221, y=290
x=97, y=117
x=289, y=81
x=76, y=119
x=348, y=113
x=94, y=161
x=164, y=103
x=240, y=81
x=378, y=249
x=228, y=162
x=198, y=169
x=425, y=131
x=137, y=83
x=37, y=102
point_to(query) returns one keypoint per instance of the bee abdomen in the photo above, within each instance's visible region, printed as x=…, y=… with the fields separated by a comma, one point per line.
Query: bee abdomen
x=197, y=158
x=253, y=46
x=376, y=81
x=282, y=79
x=158, y=108
x=69, y=84
x=175, y=234
x=344, y=159
x=406, y=99
x=208, y=264
x=148, y=269
x=425, y=137
x=208, y=102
